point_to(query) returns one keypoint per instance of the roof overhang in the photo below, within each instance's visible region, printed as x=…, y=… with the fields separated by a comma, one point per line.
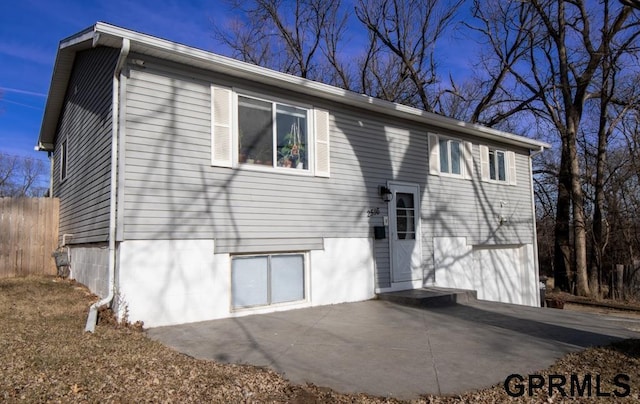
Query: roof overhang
x=102, y=34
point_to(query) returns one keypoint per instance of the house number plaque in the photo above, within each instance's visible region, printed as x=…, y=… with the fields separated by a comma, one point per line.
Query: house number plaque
x=373, y=212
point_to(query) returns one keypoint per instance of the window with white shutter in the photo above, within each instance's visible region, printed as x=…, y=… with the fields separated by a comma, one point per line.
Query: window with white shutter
x=468, y=160
x=254, y=132
x=484, y=163
x=221, y=131
x=434, y=154
x=497, y=165
x=451, y=157
x=511, y=164
x=322, y=143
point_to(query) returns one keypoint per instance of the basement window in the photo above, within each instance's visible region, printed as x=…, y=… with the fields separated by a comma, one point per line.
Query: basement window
x=263, y=280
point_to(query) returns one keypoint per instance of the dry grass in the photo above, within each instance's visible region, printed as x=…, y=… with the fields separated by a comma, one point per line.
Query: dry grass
x=46, y=357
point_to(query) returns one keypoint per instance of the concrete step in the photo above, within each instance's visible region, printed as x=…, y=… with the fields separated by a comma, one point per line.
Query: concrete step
x=429, y=297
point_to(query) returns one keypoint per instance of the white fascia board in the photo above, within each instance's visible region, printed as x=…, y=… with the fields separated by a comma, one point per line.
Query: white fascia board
x=80, y=37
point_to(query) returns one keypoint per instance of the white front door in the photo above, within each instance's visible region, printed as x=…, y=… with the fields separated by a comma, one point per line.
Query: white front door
x=404, y=228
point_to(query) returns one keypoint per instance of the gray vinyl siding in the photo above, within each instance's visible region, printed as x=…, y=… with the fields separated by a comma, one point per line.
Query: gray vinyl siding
x=462, y=208
x=172, y=191
x=86, y=124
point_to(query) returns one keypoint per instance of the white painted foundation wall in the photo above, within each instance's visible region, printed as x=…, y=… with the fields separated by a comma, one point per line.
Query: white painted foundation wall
x=165, y=282
x=343, y=271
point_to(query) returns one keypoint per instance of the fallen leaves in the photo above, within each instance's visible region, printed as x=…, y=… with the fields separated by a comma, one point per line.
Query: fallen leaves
x=45, y=356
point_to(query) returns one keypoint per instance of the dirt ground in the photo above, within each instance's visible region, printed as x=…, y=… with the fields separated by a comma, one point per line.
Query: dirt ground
x=602, y=310
x=46, y=357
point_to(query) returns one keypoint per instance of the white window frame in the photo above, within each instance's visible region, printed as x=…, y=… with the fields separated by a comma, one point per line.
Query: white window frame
x=510, y=172
x=449, y=141
x=466, y=156
x=225, y=134
x=309, y=171
x=495, y=175
x=305, y=281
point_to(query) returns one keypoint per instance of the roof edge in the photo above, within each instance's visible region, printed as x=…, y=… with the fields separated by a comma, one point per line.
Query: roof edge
x=103, y=34
x=239, y=68
x=60, y=76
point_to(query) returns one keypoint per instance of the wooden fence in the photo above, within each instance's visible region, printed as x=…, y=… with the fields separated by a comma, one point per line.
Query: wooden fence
x=28, y=236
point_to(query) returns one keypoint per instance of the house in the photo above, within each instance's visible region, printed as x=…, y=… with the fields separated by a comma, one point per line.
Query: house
x=194, y=187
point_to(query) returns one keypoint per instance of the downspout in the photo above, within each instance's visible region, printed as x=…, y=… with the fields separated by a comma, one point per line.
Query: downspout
x=92, y=318
x=536, y=263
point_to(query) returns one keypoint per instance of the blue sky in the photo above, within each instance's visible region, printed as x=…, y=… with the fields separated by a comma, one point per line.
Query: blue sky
x=30, y=31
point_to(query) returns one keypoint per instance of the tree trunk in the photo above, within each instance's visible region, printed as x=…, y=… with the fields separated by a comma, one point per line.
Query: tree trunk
x=599, y=242
x=579, y=224
x=562, y=246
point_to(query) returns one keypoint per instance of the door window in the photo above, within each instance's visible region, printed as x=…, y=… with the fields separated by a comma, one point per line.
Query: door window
x=405, y=216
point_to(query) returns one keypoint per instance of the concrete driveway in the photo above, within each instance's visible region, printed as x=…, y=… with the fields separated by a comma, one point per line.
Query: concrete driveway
x=385, y=349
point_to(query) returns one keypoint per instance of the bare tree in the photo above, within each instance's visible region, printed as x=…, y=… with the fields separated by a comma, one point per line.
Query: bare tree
x=569, y=61
x=506, y=29
x=622, y=196
x=409, y=30
x=308, y=38
x=19, y=176
x=7, y=168
x=288, y=36
x=618, y=97
x=547, y=58
x=381, y=76
x=631, y=3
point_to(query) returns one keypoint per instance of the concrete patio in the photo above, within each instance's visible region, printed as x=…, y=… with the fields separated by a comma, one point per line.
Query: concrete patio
x=386, y=349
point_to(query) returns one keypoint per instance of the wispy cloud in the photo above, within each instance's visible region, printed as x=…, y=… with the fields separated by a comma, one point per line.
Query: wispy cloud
x=30, y=53
x=19, y=91
x=21, y=104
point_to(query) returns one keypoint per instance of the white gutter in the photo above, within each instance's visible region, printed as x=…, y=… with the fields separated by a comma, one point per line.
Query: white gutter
x=93, y=310
x=536, y=261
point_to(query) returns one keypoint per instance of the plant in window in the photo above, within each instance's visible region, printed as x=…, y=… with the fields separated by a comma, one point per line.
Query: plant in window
x=292, y=154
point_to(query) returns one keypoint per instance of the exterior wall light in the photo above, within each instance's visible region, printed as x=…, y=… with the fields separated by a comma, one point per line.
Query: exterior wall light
x=385, y=193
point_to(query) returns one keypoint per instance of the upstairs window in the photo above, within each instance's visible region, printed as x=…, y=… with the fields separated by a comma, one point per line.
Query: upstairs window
x=258, y=133
x=449, y=156
x=497, y=165
x=272, y=134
